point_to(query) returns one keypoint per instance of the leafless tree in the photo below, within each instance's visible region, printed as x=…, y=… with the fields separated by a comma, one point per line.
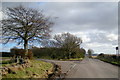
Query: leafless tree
x=68, y=41
x=25, y=25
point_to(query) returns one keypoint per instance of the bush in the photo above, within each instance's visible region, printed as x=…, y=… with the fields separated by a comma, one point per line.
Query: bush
x=30, y=54
x=20, y=53
x=57, y=53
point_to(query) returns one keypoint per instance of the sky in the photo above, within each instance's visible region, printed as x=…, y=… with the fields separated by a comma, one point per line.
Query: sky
x=96, y=23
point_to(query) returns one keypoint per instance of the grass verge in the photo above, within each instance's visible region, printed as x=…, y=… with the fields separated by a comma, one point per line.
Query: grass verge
x=37, y=70
x=72, y=59
x=117, y=63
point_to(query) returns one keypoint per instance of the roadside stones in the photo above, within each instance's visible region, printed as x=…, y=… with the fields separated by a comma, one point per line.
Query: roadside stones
x=5, y=68
x=4, y=72
x=56, y=73
x=20, y=68
x=14, y=72
x=13, y=68
x=13, y=65
x=35, y=74
x=27, y=61
x=22, y=65
x=31, y=66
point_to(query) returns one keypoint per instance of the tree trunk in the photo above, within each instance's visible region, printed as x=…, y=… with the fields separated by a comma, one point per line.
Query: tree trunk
x=26, y=47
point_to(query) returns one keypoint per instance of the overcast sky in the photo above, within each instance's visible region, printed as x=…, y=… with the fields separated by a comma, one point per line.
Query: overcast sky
x=95, y=22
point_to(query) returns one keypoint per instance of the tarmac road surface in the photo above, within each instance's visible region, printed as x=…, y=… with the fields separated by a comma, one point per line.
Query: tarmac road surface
x=88, y=68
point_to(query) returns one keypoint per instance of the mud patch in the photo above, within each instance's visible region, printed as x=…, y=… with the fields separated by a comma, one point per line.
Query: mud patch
x=57, y=74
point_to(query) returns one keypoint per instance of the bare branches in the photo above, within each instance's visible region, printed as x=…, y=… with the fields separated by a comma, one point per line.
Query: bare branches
x=25, y=24
x=68, y=40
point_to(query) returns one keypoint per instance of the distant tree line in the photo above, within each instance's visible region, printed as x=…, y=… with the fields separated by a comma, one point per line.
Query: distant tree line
x=66, y=46
x=47, y=53
x=6, y=54
x=57, y=53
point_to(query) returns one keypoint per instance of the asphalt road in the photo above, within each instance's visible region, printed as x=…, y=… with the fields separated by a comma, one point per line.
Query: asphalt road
x=88, y=68
x=93, y=68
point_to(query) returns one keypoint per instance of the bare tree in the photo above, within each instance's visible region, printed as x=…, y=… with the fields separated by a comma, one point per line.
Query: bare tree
x=68, y=41
x=25, y=25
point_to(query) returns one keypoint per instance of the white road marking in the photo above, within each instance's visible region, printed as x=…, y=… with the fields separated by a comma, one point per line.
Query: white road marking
x=71, y=67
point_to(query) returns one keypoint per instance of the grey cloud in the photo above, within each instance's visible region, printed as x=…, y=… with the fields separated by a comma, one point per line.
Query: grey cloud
x=101, y=38
x=83, y=17
x=96, y=15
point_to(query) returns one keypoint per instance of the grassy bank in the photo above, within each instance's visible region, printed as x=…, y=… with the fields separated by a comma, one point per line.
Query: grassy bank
x=72, y=59
x=110, y=61
x=38, y=70
x=113, y=59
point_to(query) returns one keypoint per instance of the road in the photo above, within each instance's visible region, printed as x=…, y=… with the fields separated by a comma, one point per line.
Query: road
x=88, y=68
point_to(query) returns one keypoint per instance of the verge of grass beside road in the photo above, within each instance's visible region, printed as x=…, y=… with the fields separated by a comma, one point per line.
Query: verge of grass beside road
x=72, y=59
x=112, y=62
x=38, y=67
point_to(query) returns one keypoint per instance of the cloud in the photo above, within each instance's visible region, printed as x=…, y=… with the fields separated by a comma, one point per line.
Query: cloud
x=83, y=36
x=101, y=48
x=112, y=37
x=103, y=37
x=95, y=22
x=84, y=15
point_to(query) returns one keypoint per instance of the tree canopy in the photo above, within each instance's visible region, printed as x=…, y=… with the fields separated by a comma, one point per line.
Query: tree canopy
x=70, y=43
x=25, y=25
x=67, y=40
